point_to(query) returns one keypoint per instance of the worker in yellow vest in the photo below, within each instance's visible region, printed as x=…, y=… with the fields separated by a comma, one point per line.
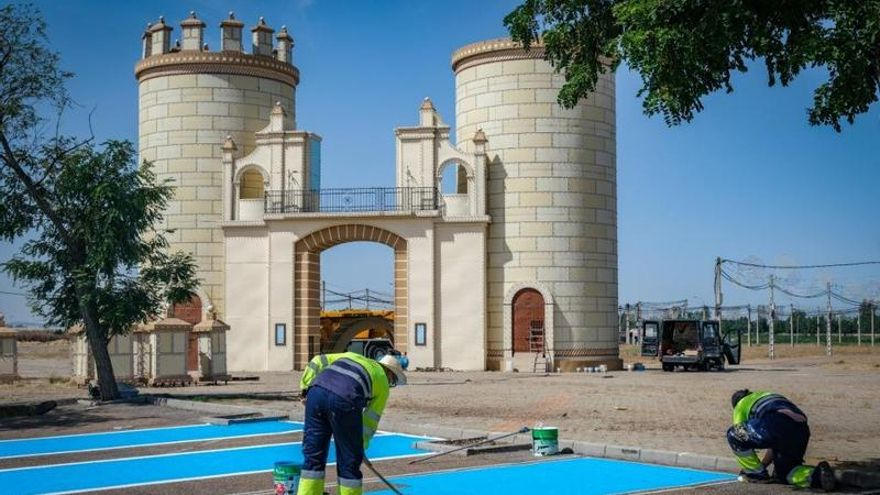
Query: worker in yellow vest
x=763, y=420
x=345, y=395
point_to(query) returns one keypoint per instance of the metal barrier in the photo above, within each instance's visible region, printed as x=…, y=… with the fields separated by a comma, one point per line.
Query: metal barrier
x=352, y=200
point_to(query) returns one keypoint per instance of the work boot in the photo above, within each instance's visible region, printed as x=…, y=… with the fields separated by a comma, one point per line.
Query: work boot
x=761, y=478
x=823, y=477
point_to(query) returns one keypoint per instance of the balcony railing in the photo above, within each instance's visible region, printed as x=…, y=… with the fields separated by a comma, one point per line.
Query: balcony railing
x=366, y=199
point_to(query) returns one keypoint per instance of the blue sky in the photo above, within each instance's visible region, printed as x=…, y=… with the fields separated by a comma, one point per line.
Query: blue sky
x=749, y=178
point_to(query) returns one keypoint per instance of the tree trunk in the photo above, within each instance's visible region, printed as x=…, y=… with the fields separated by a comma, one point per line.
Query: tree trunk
x=106, y=378
x=98, y=345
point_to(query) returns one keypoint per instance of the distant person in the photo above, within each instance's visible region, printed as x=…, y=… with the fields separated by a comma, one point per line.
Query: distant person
x=763, y=420
x=345, y=395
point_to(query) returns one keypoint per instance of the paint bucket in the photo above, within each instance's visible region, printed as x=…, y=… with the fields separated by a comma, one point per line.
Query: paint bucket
x=286, y=477
x=545, y=440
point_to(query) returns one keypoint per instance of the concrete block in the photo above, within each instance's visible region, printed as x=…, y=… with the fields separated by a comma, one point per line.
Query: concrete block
x=696, y=461
x=622, y=452
x=658, y=457
x=727, y=464
x=589, y=449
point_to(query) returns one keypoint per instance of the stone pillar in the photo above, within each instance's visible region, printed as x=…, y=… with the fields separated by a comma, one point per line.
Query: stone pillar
x=285, y=46
x=230, y=34
x=261, y=35
x=189, y=104
x=552, y=196
x=8, y=353
x=193, y=32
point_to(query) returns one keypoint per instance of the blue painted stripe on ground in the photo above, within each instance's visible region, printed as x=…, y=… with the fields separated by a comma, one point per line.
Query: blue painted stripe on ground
x=118, y=473
x=140, y=438
x=582, y=476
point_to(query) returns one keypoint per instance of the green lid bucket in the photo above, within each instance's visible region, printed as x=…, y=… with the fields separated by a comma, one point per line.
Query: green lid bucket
x=545, y=440
x=286, y=477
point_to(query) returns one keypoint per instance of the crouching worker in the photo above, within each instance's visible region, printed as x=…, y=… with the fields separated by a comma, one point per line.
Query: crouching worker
x=763, y=420
x=345, y=395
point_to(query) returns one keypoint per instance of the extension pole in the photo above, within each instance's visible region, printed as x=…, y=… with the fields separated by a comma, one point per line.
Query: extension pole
x=379, y=475
x=524, y=429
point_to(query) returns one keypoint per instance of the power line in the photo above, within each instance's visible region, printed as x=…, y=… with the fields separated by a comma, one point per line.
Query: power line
x=798, y=267
x=12, y=293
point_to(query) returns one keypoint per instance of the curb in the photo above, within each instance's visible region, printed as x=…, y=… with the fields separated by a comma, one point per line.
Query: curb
x=590, y=449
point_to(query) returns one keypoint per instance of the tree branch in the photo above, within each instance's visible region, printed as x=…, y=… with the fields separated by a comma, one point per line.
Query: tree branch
x=35, y=192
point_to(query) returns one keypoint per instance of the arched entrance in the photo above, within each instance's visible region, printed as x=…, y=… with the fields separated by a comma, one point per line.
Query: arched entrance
x=373, y=324
x=528, y=321
x=307, y=289
x=190, y=312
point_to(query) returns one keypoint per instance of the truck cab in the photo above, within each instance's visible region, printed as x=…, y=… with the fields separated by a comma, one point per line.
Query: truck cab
x=690, y=344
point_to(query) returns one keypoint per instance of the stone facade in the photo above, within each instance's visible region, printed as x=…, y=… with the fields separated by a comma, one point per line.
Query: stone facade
x=551, y=196
x=190, y=100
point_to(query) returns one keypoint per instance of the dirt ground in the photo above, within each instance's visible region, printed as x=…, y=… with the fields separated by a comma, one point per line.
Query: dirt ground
x=681, y=411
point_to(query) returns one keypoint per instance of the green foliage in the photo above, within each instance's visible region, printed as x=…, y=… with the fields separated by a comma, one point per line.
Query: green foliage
x=687, y=49
x=108, y=206
x=93, y=254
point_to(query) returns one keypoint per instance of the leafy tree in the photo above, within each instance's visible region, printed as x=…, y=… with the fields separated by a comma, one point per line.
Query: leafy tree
x=94, y=258
x=687, y=49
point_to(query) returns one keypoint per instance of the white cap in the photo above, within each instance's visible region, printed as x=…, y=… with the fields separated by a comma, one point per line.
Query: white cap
x=393, y=365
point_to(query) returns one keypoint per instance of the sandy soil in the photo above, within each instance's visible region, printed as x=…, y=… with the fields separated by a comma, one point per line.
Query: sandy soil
x=681, y=411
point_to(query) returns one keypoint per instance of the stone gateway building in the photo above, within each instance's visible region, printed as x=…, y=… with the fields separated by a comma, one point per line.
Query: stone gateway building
x=514, y=268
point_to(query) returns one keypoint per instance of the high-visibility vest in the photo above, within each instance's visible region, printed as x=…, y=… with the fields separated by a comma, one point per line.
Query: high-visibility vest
x=744, y=406
x=378, y=392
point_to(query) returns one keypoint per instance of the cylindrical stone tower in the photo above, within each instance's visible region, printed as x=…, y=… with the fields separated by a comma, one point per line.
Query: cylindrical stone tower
x=191, y=99
x=552, y=242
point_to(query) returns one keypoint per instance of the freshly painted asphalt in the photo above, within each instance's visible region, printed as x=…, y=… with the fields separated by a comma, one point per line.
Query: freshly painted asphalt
x=25, y=447
x=119, y=473
x=582, y=476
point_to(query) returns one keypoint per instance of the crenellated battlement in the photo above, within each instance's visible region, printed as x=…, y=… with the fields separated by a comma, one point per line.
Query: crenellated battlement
x=272, y=59
x=157, y=39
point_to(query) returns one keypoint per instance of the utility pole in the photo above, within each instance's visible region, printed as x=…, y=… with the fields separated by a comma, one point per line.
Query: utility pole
x=323, y=294
x=772, y=336
x=818, y=310
x=839, y=330
x=719, y=296
x=758, y=325
x=791, y=324
x=367, y=298
x=859, y=328
x=828, y=321
x=872, y=323
x=749, y=325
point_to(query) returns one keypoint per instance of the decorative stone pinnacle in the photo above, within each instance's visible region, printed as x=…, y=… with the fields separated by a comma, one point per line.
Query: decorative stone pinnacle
x=229, y=144
x=480, y=137
x=427, y=104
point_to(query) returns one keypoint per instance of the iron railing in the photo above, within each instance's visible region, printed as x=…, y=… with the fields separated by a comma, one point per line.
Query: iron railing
x=365, y=199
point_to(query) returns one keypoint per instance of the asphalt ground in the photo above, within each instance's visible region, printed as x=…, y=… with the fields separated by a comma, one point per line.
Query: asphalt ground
x=74, y=419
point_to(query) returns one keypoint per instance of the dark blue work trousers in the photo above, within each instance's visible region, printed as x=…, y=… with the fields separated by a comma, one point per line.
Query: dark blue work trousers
x=328, y=414
x=787, y=437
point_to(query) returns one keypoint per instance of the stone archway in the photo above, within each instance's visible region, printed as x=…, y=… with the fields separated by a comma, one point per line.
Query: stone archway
x=527, y=314
x=341, y=339
x=307, y=289
x=549, y=308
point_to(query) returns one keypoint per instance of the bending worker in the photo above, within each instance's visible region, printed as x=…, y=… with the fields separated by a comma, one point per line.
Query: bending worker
x=345, y=395
x=763, y=420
